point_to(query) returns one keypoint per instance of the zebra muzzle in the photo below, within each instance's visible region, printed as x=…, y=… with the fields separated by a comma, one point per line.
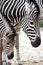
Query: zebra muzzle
x=37, y=42
x=10, y=56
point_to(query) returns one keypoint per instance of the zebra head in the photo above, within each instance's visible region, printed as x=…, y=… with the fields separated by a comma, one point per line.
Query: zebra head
x=31, y=23
x=8, y=45
x=31, y=28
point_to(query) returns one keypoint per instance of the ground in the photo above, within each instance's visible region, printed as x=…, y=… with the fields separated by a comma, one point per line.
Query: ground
x=30, y=63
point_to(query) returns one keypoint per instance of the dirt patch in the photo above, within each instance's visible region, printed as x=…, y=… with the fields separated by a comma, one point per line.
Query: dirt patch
x=30, y=63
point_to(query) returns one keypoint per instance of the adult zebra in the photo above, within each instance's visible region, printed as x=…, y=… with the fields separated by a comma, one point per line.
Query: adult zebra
x=14, y=13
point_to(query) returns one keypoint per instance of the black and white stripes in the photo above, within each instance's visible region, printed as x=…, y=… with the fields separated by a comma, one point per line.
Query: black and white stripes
x=14, y=12
x=2, y=27
x=7, y=42
x=29, y=28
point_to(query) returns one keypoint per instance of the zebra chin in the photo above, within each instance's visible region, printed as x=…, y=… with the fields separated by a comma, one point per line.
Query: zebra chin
x=37, y=42
x=10, y=56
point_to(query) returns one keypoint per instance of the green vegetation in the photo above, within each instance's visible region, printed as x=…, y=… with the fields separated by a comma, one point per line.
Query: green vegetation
x=41, y=23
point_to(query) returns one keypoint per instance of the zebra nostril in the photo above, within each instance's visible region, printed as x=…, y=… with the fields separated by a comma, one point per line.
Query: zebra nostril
x=11, y=55
x=37, y=42
x=7, y=43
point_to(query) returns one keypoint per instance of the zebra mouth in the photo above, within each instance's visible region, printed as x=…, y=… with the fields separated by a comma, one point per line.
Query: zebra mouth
x=10, y=56
x=37, y=42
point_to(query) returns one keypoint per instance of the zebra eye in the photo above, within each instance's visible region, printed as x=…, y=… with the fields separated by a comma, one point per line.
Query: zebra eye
x=31, y=22
x=7, y=34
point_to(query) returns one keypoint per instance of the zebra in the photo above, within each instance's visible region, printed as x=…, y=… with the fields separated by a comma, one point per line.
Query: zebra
x=16, y=15
x=6, y=47
x=34, y=12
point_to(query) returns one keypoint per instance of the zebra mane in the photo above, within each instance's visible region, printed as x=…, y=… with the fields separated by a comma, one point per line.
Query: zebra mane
x=29, y=1
x=36, y=5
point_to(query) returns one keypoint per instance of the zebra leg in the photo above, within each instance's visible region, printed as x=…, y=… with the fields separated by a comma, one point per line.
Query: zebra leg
x=17, y=49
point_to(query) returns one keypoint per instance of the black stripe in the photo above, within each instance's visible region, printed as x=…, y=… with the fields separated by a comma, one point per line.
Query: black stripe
x=32, y=35
x=32, y=27
x=30, y=30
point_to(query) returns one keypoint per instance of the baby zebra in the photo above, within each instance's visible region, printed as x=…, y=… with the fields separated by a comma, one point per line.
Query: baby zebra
x=7, y=40
x=16, y=16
